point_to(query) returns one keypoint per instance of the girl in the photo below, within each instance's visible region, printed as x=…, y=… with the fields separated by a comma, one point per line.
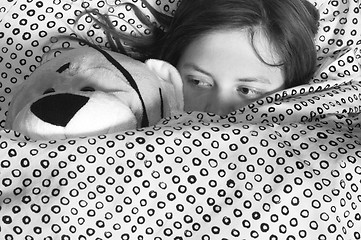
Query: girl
x=232, y=52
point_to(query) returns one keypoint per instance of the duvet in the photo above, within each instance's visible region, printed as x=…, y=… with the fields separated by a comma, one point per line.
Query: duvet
x=285, y=167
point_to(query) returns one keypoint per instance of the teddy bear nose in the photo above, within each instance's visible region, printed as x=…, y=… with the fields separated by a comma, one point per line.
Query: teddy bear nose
x=58, y=109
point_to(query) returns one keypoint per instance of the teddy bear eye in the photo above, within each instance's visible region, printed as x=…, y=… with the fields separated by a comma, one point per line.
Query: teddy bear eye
x=49, y=90
x=87, y=89
x=63, y=68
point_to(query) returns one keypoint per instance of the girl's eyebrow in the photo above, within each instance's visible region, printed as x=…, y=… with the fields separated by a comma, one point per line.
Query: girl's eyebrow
x=259, y=79
x=198, y=69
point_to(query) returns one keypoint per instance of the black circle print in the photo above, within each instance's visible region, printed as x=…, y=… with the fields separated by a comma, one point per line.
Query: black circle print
x=285, y=167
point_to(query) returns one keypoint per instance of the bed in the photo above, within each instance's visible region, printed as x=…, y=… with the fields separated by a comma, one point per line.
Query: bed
x=285, y=167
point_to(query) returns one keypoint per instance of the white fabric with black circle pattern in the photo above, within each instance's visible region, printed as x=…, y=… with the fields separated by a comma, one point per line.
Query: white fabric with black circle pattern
x=286, y=167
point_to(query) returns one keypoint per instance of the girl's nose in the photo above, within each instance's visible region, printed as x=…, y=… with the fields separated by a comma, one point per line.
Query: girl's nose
x=223, y=104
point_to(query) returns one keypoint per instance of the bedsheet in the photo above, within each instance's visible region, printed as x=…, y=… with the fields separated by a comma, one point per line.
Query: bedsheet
x=285, y=167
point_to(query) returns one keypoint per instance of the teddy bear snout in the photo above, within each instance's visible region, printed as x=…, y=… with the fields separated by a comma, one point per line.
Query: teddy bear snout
x=58, y=109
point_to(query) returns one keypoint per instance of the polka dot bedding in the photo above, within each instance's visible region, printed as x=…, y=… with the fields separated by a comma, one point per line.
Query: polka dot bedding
x=285, y=167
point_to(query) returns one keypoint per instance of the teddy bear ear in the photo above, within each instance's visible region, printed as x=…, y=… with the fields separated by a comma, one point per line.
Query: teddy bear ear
x=171, y=81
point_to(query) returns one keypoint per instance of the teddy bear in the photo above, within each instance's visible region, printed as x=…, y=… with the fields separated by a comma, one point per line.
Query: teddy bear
x=91, y=91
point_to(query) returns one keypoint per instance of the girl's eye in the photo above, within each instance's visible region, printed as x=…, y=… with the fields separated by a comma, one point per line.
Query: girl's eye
x=249, y=92
x=244, y=90
x=199, y=82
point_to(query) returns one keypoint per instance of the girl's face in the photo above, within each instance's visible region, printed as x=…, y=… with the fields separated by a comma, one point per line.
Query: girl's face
x=221, y=72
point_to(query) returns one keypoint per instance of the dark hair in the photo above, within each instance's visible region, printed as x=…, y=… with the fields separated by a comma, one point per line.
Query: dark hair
x=290, y=26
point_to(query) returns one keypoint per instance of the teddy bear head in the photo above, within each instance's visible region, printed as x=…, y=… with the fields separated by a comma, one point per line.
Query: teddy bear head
x=89, y=91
